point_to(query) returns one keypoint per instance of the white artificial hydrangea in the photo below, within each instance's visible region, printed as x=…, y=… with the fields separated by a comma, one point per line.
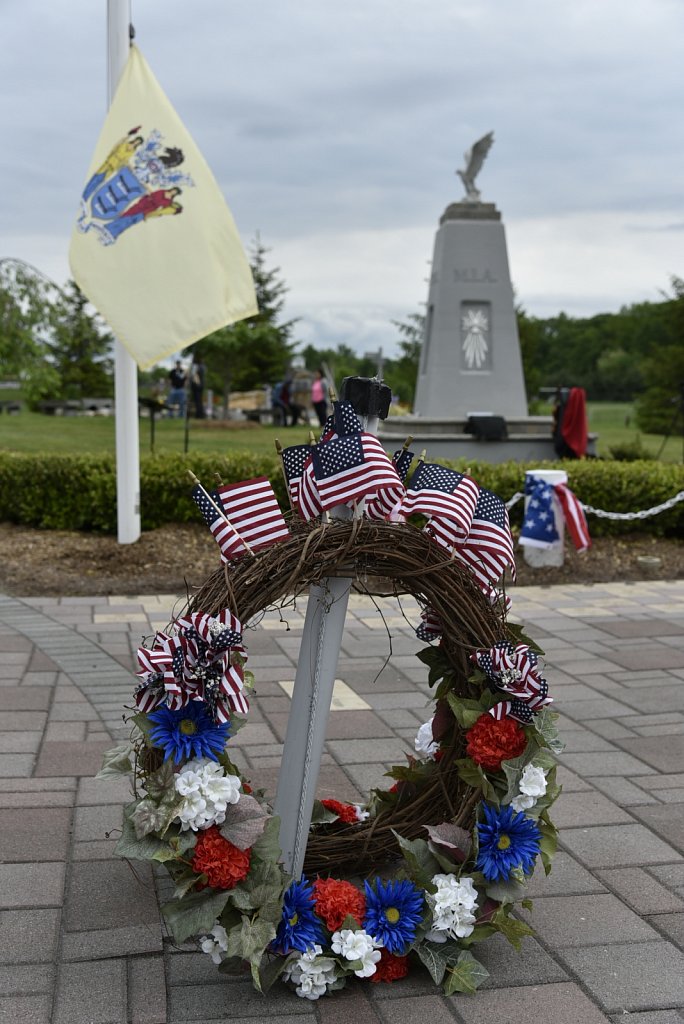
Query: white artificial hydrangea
x=425, y=742
x=312, y=973
x=358, y=945
x=215, y=945
x=532, y=785
x=452, y=908
x=206, y=792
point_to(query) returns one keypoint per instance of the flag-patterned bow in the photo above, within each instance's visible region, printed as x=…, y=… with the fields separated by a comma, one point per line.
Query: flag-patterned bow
x=214, y=658
x=513, y=669
x=162, y=674
x=203, y=661
x=539, y=526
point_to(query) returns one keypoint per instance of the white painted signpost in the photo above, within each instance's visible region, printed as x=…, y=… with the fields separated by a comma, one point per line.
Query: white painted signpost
x=316, y=668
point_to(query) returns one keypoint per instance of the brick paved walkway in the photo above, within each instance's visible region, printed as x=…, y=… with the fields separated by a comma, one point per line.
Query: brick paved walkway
x=80, y=935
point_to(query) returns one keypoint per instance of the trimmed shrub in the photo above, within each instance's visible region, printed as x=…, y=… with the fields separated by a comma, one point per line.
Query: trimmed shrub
x=78, y=492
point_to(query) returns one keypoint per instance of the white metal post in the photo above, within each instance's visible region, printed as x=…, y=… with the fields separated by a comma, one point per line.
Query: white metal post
x=125, y=369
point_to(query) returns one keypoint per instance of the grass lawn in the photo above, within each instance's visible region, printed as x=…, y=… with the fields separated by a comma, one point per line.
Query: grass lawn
x=33, y=432
x=614, y=422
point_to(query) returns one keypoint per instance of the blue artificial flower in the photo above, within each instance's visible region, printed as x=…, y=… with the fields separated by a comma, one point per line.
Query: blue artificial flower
x=508, y=840
x=188, y=732
x=393, y=911
x=299, y=927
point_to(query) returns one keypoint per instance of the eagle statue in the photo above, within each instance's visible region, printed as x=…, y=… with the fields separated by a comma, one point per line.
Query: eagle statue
x=474, y=158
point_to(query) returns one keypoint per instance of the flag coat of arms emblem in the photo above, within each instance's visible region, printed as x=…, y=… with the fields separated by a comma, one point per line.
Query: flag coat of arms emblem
x=155, y=247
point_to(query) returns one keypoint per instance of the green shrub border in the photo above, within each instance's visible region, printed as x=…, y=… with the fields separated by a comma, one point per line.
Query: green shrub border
x=78, y=492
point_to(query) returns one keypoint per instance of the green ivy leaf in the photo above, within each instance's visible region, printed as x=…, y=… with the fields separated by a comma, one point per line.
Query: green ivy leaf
x=505, y=892
x=466, y=975
x=116, y=761
x=473, y=775
x=465, y=710
x=142, y=722
x=161, y=782
x=549, y=841
x=132, y=848
x=545, y=726
x=511, y=928
x=194, y=914
x=267, y=846
x=184, y=883
x=437, y=956
x=320, y=815
x=271, y=968
x=421, y=863
x=250, y=938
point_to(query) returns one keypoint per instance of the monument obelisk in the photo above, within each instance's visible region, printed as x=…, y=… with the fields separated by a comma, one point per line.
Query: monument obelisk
x=470, y=360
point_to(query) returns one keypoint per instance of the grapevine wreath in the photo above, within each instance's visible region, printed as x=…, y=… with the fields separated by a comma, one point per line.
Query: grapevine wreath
x=423, y=870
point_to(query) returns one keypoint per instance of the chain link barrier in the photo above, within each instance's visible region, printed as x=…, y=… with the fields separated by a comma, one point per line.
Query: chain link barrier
x=643, y=514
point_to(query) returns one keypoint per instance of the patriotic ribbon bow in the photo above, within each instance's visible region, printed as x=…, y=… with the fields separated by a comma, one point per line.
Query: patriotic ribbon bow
x=162, y=674
x=215, y=656
x=203, y=661
x=513, y=669
x=539, y=527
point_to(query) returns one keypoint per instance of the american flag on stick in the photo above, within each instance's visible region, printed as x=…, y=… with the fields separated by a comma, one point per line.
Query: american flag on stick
x=253, y=509
x=488, y=548
x=352, y=467
x=295, y=459
x=445, y=495
x=229, y=542
x=342, y=420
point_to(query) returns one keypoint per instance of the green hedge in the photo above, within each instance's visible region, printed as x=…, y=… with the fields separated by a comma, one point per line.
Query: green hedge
x=78, y=492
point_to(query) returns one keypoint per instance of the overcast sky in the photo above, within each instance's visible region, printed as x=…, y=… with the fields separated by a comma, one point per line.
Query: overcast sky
x=335, y=130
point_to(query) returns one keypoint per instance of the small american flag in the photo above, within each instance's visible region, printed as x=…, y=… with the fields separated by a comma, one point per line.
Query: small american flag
x=253, y=510
x=294, y=459
x=444, y=494
x=222, y=531
x=342, y=420
x=401, y=460
x=354, y=466
x=488, y=548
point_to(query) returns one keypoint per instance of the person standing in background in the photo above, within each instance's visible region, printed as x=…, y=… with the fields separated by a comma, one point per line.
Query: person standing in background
x=197, y=376
x=319, y=398
x=176, y=399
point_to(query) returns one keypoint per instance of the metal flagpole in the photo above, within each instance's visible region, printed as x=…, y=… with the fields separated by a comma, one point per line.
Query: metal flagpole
x=316, y=667
x=125, y=369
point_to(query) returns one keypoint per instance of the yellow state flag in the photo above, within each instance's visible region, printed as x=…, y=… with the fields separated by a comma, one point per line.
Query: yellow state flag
x=155, y=247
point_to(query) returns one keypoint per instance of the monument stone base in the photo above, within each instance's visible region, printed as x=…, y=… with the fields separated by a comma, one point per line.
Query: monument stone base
x=529, y=439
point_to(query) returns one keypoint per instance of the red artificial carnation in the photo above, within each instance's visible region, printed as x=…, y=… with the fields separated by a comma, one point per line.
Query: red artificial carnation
x=390, y=967
x=223, y=863
x=491, y=741
x=335, y=900
x=345, y=812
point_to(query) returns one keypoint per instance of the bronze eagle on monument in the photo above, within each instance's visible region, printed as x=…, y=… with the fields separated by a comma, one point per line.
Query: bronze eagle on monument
x=474, y=158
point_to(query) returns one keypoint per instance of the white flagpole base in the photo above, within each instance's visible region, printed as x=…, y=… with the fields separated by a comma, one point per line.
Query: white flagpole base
x=127, y=446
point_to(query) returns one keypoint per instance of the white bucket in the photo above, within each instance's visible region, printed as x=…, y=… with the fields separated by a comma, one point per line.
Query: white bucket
x=554, y=555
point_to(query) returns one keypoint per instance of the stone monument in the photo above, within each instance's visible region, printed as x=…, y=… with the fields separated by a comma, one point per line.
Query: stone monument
x=470, y=393
x=470, y=361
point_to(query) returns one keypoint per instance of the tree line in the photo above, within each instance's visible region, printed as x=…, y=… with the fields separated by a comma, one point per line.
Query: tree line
x=58, y=347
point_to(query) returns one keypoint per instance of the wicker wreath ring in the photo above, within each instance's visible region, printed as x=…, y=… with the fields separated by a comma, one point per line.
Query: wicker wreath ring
x=392, y=559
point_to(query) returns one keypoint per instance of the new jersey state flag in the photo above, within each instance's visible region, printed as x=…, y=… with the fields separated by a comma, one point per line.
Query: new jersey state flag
x=155, y=247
